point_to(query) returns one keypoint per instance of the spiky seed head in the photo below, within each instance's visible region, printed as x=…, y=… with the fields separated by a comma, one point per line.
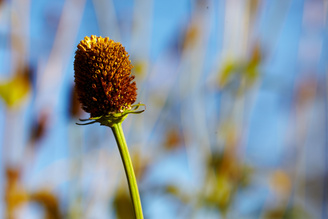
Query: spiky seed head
x=103, y=80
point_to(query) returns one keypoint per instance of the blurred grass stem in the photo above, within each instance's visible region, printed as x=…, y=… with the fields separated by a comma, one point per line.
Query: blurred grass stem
x=132, y=182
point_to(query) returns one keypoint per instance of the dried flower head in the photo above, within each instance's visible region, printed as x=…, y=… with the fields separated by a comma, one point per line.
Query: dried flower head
x=103, y=76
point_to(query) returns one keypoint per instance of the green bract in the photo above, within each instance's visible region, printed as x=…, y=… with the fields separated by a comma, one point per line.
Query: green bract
x=113, y=118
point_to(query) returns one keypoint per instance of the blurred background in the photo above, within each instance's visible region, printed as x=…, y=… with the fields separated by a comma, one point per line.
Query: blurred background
x=236, y=124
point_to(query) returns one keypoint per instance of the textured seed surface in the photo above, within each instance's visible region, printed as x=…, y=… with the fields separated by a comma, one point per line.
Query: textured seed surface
x=103, y=79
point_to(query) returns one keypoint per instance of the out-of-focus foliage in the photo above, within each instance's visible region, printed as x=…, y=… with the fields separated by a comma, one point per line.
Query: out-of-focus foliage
x=15, y=90
x=243, y=72
x=236, y=117
x=49, y=202
x=123, y=205
x=16, y=195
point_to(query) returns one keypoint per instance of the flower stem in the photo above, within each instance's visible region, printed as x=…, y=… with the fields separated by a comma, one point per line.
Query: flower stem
x=132, y=182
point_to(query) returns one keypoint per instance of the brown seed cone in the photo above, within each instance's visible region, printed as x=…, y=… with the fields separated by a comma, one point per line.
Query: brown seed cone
x=103, y=79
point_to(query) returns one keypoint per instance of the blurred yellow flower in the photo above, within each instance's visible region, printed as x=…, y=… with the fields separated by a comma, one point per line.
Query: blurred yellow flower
x=14, y=91
x=280, y=182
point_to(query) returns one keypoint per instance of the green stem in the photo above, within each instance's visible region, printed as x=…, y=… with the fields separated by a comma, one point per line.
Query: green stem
x=132, y=182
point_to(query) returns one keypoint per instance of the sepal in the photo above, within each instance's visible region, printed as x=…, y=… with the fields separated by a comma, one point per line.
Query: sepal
x=113, y=117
